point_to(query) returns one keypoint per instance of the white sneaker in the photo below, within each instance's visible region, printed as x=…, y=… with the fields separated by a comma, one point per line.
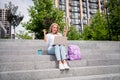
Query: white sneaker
x=61, y=67
x=66, y=66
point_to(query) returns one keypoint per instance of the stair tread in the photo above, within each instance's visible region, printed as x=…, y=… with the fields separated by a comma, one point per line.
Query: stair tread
x=72, y=68
x=90, y=77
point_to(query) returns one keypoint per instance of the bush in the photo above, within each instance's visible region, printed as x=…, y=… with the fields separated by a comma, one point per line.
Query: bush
x=98, y=29
x=73, y=34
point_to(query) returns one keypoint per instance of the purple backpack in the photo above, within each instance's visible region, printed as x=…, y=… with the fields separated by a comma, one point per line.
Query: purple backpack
x=73, y=52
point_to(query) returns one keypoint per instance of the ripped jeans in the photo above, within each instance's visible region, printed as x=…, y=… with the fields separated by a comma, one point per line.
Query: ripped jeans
x=59, y=51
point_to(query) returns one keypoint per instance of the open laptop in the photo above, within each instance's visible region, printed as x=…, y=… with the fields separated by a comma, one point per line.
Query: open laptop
x=60, y=40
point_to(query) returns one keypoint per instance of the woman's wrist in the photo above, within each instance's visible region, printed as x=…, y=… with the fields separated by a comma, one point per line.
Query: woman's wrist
x=44, y=34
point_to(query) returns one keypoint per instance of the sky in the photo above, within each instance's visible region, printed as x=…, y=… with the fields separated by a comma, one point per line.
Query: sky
x=23, y=5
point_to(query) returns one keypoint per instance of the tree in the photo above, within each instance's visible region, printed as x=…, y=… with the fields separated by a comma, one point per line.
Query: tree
x=42, y=16
x=12, y=17
x=114, y=18
x=73, y=34
x=98, y=29
x=23, y=35
x=87, y=33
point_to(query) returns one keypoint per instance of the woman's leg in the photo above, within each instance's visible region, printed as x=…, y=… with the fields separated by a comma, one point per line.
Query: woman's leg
x=63, y=52
x=58, y=57
x=51, y=51
x=64, y=56
x=57, y=52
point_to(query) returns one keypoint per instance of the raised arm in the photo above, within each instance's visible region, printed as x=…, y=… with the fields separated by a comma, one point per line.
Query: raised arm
x=65, y=32
x=44, y=32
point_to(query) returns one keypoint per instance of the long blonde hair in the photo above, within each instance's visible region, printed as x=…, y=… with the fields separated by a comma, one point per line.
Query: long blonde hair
x=50, y=29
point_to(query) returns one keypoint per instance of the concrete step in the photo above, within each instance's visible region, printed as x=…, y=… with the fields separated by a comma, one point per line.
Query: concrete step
x=27, y=47
x=38, y=45
x=56, y=73
x=82, y=44
x=16, y=66
x=115, y=76
x=27, y=58
x=22, y=43
x=91, y=43
x=44, y=51
x=19, y=40
x=22, y=47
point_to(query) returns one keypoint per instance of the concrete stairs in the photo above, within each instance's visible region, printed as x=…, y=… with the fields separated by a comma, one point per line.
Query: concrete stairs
x=19, y=61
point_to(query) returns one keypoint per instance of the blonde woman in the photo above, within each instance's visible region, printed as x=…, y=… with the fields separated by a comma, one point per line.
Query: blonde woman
x=58, y=50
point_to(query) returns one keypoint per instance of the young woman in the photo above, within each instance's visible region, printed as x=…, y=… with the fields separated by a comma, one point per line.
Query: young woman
x=58, y=50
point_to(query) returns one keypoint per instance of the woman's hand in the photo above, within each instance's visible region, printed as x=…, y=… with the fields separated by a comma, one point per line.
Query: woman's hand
x=44, y=32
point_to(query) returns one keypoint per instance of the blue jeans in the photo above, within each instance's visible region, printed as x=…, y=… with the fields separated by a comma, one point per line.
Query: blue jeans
x=59, y=51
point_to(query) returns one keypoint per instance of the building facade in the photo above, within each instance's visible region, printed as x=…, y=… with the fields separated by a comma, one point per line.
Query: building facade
x=5, y=29
x=79, y=12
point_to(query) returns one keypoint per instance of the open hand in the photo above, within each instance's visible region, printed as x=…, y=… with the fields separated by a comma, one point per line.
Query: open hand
x=44, y=31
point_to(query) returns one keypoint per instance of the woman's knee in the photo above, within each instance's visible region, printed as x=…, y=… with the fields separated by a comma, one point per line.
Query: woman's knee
x=51, y=51
x=56, y=46
x=62, y=47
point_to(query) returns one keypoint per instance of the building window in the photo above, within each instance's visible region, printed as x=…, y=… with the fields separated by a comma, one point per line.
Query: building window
x=84, y=22
x=75, y=15
x=93, y=11
x=74, y=9
x=84, y=4
x=75, y=21
x=62, y=2
x=93, y=6
x=93, y=1
x=62, y=7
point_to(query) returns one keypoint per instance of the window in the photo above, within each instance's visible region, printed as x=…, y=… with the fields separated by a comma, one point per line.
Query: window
x=62, y=7
x=74, y=9
x=61, y=1
x=94, y=6
x=78, y=28
x=75, y=5
x=93, y=1
x=84, y=5
x=83, y=0
x=93, y=11
x=84, y=10
x=75, y=15
x=84, y=22
x=75, y=21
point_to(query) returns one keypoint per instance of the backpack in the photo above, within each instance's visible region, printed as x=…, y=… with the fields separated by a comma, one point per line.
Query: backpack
x=73, y=52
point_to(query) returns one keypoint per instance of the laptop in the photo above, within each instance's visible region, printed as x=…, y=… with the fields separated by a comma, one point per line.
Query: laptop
x=60, y=40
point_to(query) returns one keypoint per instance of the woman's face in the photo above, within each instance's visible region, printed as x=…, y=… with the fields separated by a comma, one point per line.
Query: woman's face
x=54, y=29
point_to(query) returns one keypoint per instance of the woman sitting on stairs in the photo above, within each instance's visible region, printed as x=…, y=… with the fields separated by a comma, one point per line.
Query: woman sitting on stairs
x=58, y=50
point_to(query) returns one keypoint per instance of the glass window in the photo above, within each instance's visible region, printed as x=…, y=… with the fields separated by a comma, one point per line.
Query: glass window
x=62, y=1
x=76, y=8
x=83, y=0
x=93, y=1
x=93, y=11
x=74, y=4
x=84, y=4
x=84, y=10
x=75, y=21
x=61, y=7
x=76, y=15
x=94, y=6
x=84, y=22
